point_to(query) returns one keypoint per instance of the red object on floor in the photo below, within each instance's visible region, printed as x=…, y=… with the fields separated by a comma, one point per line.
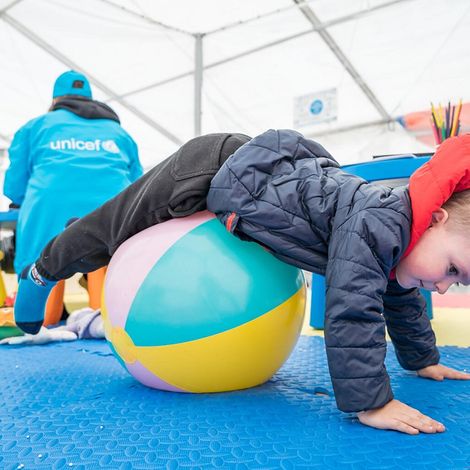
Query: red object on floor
x=10, y=300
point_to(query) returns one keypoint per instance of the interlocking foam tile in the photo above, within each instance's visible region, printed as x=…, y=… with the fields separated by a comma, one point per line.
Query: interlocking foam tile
x=72, y=406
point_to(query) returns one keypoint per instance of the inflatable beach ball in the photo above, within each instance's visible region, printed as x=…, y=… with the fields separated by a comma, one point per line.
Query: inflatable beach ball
x=189, y=307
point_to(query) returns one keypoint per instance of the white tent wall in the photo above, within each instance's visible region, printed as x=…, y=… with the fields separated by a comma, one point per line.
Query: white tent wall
x=125, y=52
x=171, y=104
x=412, y=53
x=362, y=144
x=202, y=16
x=25, y=79
x=258, y=55
x=283, y=76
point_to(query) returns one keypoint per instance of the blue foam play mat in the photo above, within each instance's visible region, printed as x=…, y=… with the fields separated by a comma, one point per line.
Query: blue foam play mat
x=72, y=406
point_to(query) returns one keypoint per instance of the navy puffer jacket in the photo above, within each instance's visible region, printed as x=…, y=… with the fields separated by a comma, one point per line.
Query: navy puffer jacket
x=289, y=194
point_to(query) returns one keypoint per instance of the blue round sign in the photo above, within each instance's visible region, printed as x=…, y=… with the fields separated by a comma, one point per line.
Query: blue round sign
x=316, y=107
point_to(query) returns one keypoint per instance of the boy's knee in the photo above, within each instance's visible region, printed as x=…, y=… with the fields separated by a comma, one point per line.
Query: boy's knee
x=231, y=145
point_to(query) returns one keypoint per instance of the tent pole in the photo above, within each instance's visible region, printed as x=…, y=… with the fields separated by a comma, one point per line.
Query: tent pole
x=341, y=56
x=198, y=77
x=41, y=43
x=311, y=30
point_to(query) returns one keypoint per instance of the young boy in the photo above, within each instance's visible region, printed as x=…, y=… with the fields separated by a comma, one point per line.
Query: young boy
x=375, y=245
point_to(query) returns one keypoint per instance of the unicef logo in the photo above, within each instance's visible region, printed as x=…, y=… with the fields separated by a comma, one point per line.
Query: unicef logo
x=110, y=146
x=316, y=107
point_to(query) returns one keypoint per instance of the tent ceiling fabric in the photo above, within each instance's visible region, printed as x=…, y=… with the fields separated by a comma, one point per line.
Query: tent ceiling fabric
x=258, y=55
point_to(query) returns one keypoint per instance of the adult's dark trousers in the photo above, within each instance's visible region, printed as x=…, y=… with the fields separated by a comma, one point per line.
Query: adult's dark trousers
x=177, y=187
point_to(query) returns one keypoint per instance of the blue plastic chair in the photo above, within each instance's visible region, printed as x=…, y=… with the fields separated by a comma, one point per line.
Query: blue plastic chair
x=393, y=170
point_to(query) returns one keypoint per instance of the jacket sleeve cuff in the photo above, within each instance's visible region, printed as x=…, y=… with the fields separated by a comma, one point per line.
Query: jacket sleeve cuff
x=350, y=396
x=415, y=360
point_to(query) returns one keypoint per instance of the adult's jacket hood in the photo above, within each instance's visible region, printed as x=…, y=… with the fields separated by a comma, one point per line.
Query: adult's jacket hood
x=86, y=108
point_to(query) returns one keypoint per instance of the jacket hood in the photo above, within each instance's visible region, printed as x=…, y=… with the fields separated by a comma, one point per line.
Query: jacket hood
x=86, y=108
x=447, y=172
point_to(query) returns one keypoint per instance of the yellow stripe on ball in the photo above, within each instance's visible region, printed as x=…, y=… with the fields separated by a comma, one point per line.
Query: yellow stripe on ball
x=123, y=345
x=242, y=357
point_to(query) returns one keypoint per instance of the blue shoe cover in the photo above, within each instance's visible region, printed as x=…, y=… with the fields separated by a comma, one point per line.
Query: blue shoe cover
x=30, y=303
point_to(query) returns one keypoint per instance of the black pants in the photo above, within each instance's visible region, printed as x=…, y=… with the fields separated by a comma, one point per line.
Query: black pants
x=177, y=187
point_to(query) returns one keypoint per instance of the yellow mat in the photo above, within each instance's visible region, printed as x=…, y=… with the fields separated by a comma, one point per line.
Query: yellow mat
x=451, y=325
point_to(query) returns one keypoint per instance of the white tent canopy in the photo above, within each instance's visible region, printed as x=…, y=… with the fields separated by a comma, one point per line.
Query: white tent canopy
x=173, y=69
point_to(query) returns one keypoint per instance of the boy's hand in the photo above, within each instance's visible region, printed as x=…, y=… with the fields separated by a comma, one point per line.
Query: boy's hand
x=397, y=416
x=440, y=372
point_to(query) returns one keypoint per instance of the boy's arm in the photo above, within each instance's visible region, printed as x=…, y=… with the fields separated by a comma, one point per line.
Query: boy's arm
x=354, y=325
x=360, y=254
x=409, y=327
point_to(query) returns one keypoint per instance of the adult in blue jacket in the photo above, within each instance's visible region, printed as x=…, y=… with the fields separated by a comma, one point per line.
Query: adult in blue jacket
x=65, y=164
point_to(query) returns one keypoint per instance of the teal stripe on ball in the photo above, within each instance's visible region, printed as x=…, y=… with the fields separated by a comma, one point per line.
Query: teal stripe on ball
x=209, y=281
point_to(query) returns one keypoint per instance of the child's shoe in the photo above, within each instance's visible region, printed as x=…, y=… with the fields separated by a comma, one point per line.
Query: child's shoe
x=31, y=299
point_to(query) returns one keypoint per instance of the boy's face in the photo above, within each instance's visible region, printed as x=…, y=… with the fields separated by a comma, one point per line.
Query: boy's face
x=440, y=258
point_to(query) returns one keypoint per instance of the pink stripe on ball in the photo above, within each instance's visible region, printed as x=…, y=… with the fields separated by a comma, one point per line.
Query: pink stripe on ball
x=143, y=375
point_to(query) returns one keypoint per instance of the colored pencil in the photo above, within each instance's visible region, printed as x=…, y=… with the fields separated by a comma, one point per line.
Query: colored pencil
x=451, y=121
x=434, y=130
x=447, y=125
x=456, y=124
x=445, y=121
x=435, y=125
x=441, y=116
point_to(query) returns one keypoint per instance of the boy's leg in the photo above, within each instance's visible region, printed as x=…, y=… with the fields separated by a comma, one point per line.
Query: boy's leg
x=176, y=187
x=89, y=242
